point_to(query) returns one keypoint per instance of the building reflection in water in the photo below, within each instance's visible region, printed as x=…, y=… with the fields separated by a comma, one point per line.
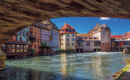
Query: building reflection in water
x=126, y=58
x=97, y=62
x=63, y=64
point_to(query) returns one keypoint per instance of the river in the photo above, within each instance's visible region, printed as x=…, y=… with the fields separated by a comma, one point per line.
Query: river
x=65, y=66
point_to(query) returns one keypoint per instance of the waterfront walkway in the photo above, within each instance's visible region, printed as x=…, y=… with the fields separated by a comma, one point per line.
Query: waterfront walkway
x=125, y=75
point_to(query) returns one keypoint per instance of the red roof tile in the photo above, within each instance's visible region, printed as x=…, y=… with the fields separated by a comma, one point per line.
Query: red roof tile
x=67, y=29
x=67, y=26
x=116, y=36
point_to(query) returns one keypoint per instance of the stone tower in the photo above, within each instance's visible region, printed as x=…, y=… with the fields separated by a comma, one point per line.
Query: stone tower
x=104, y=35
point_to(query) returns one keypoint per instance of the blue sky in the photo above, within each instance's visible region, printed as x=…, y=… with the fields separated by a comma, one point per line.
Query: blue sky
x=84, y=24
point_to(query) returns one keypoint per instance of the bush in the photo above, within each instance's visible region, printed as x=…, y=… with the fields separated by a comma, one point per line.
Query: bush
x=67, y=51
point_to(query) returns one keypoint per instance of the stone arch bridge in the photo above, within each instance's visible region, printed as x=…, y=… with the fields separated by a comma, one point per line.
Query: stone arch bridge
x=17, y=14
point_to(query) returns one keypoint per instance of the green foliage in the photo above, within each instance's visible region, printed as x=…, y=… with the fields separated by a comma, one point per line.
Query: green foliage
x=67, y=51
x=77, y=32
x=32, y=51
x=126, y=67
x=44, y=45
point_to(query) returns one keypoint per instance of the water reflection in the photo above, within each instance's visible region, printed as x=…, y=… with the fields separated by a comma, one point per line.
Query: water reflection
x=84, y=66
x=97, y=61
x=63, y=63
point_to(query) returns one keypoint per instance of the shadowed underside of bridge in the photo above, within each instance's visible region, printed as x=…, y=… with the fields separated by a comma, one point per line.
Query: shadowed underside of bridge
x=17, y=14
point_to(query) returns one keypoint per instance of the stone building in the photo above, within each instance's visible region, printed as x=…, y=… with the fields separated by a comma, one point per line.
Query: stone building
x=35, y=38
x=119, y=42
x=54, y=35
x=103, y=33
x=44, y=33
x=67, y=37
x=23, y=35
x=97, y=39
x=87, y=43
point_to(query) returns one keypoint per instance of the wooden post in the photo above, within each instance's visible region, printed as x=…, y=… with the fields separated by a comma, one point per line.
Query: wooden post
x=15, y=48
x=23, y=48
x=6, y=48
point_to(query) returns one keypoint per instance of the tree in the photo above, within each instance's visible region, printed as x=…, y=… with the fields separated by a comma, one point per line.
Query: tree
x=77, y=32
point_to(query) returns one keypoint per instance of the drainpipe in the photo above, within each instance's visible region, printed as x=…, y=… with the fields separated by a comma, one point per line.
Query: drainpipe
x=2, y=59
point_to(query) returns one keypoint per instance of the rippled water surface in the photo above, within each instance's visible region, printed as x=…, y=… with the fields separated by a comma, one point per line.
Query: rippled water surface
x=81, y=66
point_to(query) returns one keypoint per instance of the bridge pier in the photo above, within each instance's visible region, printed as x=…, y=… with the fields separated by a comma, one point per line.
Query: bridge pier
x=2, y=60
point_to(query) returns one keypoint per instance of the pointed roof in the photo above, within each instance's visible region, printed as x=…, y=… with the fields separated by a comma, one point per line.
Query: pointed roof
x=99, y=27
x=67, y=29
x=104, y=25
x=94, y=28
x=67, y=26
x=126, y=35
x=49, y=24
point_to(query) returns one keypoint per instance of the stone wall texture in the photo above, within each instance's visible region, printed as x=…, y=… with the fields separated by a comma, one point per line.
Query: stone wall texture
x=17, y=14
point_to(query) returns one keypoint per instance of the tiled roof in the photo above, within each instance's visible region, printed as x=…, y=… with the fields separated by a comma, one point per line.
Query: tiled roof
x=94, y=28
x=128, y=33
x=67, y=29
x=85, y=35
x=67, y=26
x=99, y=27
x=116, y=36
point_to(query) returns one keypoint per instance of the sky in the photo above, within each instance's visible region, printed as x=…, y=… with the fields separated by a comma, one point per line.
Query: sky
x=84, y=24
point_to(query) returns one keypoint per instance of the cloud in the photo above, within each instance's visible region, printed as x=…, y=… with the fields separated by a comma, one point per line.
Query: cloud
x=104, y=18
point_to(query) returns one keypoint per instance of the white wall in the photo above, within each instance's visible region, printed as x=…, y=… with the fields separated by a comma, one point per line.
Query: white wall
x=89, y=48
x=65, y=41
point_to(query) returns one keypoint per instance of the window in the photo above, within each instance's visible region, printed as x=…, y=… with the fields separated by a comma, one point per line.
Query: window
x=72, y=44
x=125, y=43
x=26, y=39
x=90, y=38
x=23, y=32
x=20, y=39
x=72, y=35
x=85, y=38
x=95, y=38
x=35, y=46
x=73, y=39
x=87, y=43
x=69, y=26
x=68, y=39
x=19, y=33
x=80, y=44
x=68, y=44
x=67, y=35
x=96, y=43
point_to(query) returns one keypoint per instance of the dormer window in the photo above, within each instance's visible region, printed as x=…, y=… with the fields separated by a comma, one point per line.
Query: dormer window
x=69, y=26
